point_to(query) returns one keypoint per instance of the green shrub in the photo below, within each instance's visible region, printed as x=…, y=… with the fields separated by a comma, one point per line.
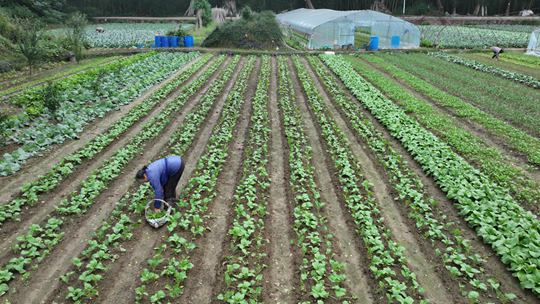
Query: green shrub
x=51, y=97
x=204, y=5
x=252, y=31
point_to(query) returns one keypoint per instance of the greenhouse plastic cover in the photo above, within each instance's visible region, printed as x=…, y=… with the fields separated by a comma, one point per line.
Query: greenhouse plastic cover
x=534, y=43
x=328, y=28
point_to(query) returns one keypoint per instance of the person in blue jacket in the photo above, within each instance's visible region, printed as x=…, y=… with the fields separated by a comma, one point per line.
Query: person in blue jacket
x=163, y=175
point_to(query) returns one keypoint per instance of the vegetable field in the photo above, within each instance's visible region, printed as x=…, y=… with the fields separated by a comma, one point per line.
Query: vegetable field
x=388, y=178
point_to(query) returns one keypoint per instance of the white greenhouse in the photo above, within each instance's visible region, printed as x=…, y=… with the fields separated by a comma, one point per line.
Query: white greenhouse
x=329, y=29
x=534, y=43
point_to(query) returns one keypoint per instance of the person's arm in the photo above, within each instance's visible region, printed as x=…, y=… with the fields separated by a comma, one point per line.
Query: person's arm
x=156, y=185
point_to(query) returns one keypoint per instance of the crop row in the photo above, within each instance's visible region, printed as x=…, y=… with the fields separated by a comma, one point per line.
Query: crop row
x=65, y=167
x=490, y=160
x=506, y=100
x=512, y=232
x=245, y=263
x=79, y=201
x=473, y=64
x=321, y=275
x=168, y=268
x=83, y=290
x=455, y=36
x=387, y=261
x=515, y=138
x=90, y=96
x=455, y=251
x=529, y=60
x=21, y=83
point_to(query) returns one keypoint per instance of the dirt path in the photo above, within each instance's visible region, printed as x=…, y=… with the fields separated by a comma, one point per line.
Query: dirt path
x=493, y=264
x=49, y=201
x=202, y=280
x=421, y=264
x=43, y=283
x=348, y=245
x=126, y=271
x=40, y=165
x=512, y=157
x=279, y=276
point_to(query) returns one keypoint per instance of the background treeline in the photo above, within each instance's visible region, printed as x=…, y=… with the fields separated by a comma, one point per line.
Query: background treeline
x=178, y=7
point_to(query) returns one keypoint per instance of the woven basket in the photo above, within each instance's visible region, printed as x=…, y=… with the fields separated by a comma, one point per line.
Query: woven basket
x=156, y=223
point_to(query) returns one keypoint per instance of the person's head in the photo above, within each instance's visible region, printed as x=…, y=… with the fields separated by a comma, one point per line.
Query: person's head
x=502, y=51
x=141, y=175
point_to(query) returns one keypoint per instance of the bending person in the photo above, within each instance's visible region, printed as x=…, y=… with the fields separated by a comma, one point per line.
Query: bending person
x=496, y=52
x=163, y=175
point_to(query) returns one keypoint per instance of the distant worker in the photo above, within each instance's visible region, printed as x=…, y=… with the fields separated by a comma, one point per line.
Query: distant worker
x=496, y=51
x=100, y=30
x=163, y=175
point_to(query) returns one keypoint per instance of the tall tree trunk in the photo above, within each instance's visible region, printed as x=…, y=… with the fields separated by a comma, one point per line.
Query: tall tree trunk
x=440, y=6
x=309, y=4
x=230, y=6
x=476, y=9
x=508, y=8
x=191, y=9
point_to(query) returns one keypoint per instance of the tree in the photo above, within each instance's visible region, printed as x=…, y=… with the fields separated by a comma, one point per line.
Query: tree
x=76, y=37
x=29, y=41
x=231, y=8
x=309, y=4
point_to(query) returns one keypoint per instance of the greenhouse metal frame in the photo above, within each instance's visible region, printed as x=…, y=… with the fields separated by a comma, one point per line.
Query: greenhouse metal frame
x=330, y=29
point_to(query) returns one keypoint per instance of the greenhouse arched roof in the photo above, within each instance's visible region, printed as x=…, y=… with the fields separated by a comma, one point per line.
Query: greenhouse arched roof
x=325, y=28
x=306, y=20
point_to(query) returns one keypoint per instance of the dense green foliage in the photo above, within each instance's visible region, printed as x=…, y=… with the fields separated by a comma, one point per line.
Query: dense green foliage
x=252, y=31
x=177, y=8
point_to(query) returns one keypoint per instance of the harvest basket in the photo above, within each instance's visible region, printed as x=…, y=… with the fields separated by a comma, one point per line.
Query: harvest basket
x=156, y=223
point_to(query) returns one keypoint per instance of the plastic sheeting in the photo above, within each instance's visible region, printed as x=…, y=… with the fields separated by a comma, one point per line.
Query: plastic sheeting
x=534, y=43
x=329, y=29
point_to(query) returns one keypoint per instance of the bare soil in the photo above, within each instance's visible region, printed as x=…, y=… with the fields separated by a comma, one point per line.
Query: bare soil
x=493, y=265
x=45, y=281
x=37, y=166
x=280, y=277
x=49, y=201
x=205, y=280
x=121, y=287
x=350, y=251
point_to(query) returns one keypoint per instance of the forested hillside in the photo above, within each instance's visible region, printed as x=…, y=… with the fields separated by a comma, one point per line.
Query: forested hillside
x=175, y=8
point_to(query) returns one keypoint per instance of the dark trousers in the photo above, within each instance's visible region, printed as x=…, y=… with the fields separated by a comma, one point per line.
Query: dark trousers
x=170, y=187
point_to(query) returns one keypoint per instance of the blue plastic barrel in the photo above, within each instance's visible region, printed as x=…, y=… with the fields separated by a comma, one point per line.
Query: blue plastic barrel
x=374, y=43
x=157, y=41
x=188, y=41
x=395, y=41
x=164, y=41
x=173, y=41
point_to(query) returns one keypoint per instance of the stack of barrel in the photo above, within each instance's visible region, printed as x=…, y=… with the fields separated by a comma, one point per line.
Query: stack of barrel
x=173, y=41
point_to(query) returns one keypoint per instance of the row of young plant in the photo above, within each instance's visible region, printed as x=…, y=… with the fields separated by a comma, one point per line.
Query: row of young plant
x=71, y=109
x=512, y=232
x=245, y=263
x=473, y=64
x=387, y=261
x=19, y=84
x=82, y=199
x=490, y=160
x=532, y=61
x=506, y=58
x=511, y=102
x=107, y=239
x=30, y=192
x=515, y=138
x=455, y=251
x=162, y=281
x=321, y=275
